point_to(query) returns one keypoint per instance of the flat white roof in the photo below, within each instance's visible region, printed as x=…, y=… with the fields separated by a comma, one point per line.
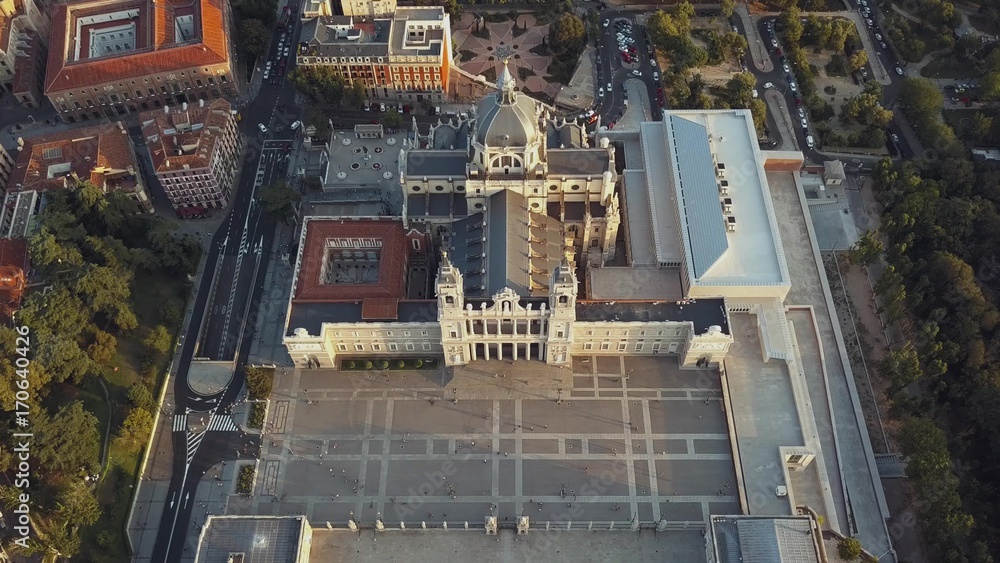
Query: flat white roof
x=752, y=254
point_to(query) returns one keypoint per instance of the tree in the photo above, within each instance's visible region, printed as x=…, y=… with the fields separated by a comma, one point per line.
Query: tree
x=921, y=98
x=566, y=34
x=77, y=504
x=792, y=22
x=254, y=37
x=867, y=249
x=279, y=200
x=758, y=110
x=140, y=397
x=356, y=93
x=739, y=89
x=159, y=339
x=900, y=367
x=134, y=432
x=727, y=7
x=849, y=549
x=67, y=441
x=392, y=119
x=857, y=60
x=980, y=126
x=102, y=350
x=259, y=381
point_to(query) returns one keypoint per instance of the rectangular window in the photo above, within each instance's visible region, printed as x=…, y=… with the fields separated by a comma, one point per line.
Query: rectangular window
x=639, y=347
x=426, y=347
x=423, y=333
x=393, y=347
x=605, y=345
x=622, y=346
x=588, y=345
x=376, y=347
x=409, y=346
x=359, y=347
x=656, y=346
x=342, y=347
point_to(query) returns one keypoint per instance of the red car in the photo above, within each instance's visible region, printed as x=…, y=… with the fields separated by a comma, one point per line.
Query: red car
x=611, y=125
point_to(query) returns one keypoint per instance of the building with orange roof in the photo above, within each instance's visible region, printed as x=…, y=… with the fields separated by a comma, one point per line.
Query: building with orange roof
x=195, y=150
x=13, y=276
x=23, y=32
x=101, y=154
x=109, y=58
x=402, y=57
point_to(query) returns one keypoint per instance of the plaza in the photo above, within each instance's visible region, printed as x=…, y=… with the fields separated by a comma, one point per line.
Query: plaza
x=629, y=439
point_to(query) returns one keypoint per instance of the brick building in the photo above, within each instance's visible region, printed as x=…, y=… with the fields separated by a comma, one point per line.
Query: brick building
x=109, y=58
x=23, y=32
x=403, y=57
x=101, y=154
x=195, y=150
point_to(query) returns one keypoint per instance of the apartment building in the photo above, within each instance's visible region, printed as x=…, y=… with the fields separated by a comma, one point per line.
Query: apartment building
x=195, y=150
x=6, y=166
x=102, y=155
x=110, y=58
x=23, y=32
x=369, y=8
x=403, y=57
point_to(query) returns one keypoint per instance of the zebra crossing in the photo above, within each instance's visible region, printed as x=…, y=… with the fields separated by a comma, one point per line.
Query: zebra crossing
x=180, y=423
x=193, y=441
x=222, y=423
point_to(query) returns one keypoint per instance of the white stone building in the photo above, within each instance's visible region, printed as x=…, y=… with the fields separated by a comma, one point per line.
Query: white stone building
x=545, y=246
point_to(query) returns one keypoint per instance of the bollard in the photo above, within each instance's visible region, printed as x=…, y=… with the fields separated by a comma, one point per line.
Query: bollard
x=424, y=525
x=402, y=525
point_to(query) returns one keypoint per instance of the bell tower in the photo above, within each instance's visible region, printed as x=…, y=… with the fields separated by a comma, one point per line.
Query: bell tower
x=562, y=314
x=451, y=317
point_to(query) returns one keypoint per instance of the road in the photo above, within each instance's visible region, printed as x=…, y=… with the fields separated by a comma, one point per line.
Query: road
x=781, y=80
x=612, y=71
x=237, y=261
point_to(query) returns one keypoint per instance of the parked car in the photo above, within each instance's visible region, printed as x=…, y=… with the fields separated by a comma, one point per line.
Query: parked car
x=793, y=87
x=785, y=67
x=878, y=36
x=607, y=23
x=802, y=113
x=805, y=124
x=810, y=142
x=768, y=85
x=381, y=107
x=262, y=128
x=899, y=71
x=296, y=124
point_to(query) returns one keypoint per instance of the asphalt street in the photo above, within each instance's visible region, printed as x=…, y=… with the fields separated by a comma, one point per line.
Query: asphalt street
x=781, y=79
x=236, y=262
x=612, y=70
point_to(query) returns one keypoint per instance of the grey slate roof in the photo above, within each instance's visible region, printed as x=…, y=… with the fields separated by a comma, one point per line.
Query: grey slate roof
x=467, y=249
x=569, y=135
x=748, y=539
x=703, y=217
x=591, y=162
x=261, y=539
x=702, y=312
x=506, y=124
x=437, y=205
x=446, y=136
x=436, y=163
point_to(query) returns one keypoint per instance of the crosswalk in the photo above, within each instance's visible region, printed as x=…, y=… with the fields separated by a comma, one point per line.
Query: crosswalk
x=222, y=423
x=180, y=423
x=193, y=441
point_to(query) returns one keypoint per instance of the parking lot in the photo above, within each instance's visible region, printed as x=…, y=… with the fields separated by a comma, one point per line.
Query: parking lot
x=630, y=439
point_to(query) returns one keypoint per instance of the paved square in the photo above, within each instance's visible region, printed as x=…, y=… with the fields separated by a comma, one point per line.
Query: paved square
x=634, y=438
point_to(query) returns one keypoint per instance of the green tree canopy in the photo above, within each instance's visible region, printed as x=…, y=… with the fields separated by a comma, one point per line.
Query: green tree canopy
x=567, y=34
x=280, y=201
x=68, y=441
x=134, y=432
x=159, y=339
x=254, y=37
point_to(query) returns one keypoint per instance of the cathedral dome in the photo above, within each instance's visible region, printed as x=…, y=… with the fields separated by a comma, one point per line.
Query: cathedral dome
x=506, y=119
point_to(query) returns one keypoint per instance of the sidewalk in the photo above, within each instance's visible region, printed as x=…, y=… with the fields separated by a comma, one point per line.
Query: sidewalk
x=761, y=56
x=269, y=326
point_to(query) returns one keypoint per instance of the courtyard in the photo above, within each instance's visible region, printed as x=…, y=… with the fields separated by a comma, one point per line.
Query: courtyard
x=626, y=439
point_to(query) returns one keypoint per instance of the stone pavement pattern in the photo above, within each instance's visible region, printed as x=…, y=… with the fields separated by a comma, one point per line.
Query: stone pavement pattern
x=625, y=438
x=504, y=44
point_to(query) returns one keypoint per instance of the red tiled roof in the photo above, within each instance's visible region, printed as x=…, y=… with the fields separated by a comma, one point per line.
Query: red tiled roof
x=391, y=284
x=162, y=56
x=215, y=116
x=85, y=149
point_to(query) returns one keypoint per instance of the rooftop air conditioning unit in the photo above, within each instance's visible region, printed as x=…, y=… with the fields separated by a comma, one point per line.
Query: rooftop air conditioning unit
x=731, y=223
x=727, y=206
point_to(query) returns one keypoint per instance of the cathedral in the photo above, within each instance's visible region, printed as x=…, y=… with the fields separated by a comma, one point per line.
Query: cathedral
x=508, y=248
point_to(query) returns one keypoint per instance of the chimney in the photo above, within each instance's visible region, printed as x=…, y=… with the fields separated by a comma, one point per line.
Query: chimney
x=184, y=106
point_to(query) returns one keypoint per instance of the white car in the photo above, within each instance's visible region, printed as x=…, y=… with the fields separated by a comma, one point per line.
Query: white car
x=869, y=22
x=802, y=113
x=793, y=87
x=810, y=142
x=656, y=75
x=895, y=138
x=785, y=67
x=864, y=72
x=636, y=73
x=899, y=71
x=296, y=124
x=652, y=62
x=381, y=107
x=736, y=29
x=755, y=94
x=774, y=42
x=262, y=128
x=768, y=85
x=609, y=86
x=805, y=124
x=878, y=36
x=607, y=23
x=600, y=93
